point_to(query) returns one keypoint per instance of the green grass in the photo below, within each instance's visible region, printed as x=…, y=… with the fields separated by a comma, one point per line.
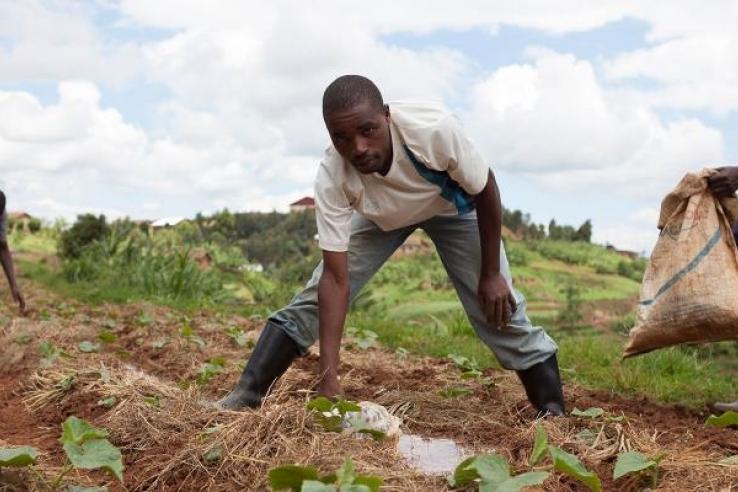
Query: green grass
x=589, y=359
x=43, y=241
x=97, y=293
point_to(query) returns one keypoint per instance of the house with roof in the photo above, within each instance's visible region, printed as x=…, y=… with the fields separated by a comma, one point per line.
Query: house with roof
x=304, y=203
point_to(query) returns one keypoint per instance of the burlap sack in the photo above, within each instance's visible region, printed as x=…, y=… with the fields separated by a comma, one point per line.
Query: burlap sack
x=690, y=288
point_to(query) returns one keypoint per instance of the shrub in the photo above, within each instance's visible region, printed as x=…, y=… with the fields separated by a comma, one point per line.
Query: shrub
x=85, y=231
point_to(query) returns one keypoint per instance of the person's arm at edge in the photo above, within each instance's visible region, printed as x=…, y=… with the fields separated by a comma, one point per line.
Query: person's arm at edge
x=333, y=296
x=7, y=261
x=495, y=297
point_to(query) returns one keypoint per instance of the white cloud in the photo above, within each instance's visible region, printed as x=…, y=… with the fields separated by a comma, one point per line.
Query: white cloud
x=54, y=40
x=553, y=120
x=693, y=73
x=79, y=155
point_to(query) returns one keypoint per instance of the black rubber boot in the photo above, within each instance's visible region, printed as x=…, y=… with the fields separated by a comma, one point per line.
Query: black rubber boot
x=272, y=355
x=542, y=384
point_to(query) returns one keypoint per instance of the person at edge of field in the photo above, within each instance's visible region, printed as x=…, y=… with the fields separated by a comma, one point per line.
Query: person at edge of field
x=394, y=168
x=725, y=183
x=7, y=259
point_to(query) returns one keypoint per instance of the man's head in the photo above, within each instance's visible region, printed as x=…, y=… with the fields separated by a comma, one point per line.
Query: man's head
x=358, y=123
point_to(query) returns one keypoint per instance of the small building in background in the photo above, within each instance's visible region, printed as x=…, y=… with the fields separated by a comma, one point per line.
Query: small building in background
x=304, y=203
x=22, y=221
x=167, y=222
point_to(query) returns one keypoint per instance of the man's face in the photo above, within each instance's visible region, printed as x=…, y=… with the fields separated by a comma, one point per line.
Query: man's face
x=362, y=136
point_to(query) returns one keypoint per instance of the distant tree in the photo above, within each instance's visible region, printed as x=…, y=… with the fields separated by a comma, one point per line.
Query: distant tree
x=584, y=233
x=87, y=229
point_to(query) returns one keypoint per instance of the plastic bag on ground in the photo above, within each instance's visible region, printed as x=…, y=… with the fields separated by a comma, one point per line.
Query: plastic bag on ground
x=375, y=417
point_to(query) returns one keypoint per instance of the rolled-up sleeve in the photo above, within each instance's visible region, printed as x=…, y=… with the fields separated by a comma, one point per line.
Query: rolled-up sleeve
x=460, y=157
x=333, y=213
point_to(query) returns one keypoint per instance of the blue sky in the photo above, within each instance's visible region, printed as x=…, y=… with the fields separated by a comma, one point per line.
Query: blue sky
x=145, y=109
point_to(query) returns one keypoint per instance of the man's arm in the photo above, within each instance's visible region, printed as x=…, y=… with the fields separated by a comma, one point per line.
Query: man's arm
x=7, y=260
x=494, y=295
x=333, y=295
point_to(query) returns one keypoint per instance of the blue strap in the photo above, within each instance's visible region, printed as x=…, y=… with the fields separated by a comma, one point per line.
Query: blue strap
x=450, y=189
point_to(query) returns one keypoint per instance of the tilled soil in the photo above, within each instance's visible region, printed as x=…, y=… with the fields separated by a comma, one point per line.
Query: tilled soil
x=161, y=413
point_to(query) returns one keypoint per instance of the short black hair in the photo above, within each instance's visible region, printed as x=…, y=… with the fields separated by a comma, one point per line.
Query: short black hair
x=2, y=202
x=349, y=90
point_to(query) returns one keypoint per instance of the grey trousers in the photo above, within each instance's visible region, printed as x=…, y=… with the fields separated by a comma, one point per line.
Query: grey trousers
x=518, y=346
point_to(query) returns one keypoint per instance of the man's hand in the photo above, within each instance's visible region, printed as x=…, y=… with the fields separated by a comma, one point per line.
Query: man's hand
x=18, y=297
x=498, y=303
x=329, y=386
x=724, y=183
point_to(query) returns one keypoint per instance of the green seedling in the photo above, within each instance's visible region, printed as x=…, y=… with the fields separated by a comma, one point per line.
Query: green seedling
x=107, y=336
x=153, y=400
x=213, y=454
x=66, y=383
x=107, y=402
x=306, y=479
x=188, y=333
x=634, y=462
x=492, y=472
x=592, y=412
x=49, y=354
x=540, y=445
x=18, y=457
x=469, y=367
x=454, y=392
x=727, y=419
x=88, y=448
x=401, y=353
x=88, y=347
x=238, y=337
x=362, y=337
x=214, y=366
x=570, y=465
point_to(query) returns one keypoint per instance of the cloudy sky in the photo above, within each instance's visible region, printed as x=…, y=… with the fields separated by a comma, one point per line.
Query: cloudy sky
x=162, y=108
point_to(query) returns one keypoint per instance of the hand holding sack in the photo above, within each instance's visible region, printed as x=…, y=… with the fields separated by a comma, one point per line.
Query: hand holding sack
x=689, y=292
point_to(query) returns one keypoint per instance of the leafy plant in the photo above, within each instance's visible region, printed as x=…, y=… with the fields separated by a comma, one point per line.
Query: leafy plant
x=214, y=366
x=635, y=462
x=469, y=367
x=87, y=347
x=363, y=338
x=493, y=473
x=306, y=479
x=19, y=456
x=592, y=412
x=727, y=419
x=107, y=336
x=570, y=465
x=87, y=448
x=188, y=333
x=454, y=392
x=239, y=337
x=539, y=446
x=107, y=402
x=49, y=354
